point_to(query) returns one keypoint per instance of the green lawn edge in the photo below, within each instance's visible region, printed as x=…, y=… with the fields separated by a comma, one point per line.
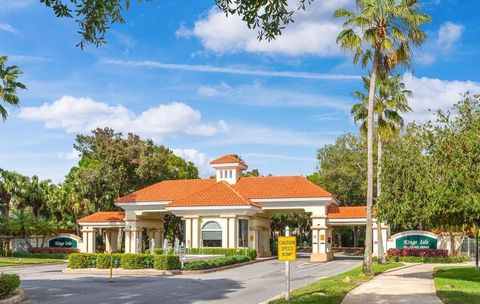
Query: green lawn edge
x=13, y=261
x=457, y=284
x=332, y=290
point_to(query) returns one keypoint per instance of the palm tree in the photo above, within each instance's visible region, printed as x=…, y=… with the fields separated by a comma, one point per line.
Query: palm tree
x=391, y=100
x=45, y=228
x=380, y=31
x=9, y=85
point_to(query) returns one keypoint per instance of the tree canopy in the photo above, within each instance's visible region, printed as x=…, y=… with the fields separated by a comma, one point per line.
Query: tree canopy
x=431, y=174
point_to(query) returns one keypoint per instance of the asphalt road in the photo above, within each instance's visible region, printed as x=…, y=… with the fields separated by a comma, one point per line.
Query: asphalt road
x=253, y=283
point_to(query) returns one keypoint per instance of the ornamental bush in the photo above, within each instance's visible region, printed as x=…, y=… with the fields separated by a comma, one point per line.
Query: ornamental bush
x=53, y=250
x=103, y=260
x=412, y=259
x=214, y=263
x=55, y=256
x=82, y=260
x=166, y=262
x=251, y=253
x=8, y=284
x=417, y=252
x=136, y=261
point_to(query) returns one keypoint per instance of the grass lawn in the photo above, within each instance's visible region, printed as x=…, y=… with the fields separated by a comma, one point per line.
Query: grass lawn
x=332, y=290
x=457, y=285
x=9, y=261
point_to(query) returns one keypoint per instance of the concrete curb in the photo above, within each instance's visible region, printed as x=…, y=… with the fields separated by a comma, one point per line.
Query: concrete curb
x=153, y=272
x=19, y=297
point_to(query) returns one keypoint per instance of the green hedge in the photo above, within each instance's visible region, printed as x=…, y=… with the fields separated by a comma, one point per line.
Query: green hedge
x=411, y=259
x=8, y=283
x=251, y=253
x=166, y=262
x=82, y=260
x=136, y=261
x=214, y=263
x=103, y=260
x=55, y=256
x=160, y=251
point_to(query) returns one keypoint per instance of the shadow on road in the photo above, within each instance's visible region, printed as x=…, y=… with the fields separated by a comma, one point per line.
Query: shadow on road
x=130, y=289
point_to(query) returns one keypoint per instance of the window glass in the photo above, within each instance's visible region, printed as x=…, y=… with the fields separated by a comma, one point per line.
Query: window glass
x=231, y=173
x=242, y=233
x=212, y=234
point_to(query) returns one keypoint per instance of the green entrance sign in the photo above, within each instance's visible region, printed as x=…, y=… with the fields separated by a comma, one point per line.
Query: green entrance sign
x=63, y=242
x=416, y=241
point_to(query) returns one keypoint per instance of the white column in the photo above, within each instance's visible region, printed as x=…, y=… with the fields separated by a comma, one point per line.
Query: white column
x=111, y=236
x=133, y=242
x=321, y=239
x=89, y=239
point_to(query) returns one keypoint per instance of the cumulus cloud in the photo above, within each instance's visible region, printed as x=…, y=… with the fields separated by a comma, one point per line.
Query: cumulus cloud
x=84, y=114
x=313, y=33
x=7, y=28
x=258, y=95
x=433, y=94
x=201, y=160
x=449, y=33
x=72, y=155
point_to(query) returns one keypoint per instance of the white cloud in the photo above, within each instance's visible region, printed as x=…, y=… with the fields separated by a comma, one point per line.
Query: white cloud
x=201, y=160
x=433, y=94
x=258, y=95
x=72, y=155
x=256, y=155
x=245, y=134
x=229, y=70
x=84, y=114
x=15, y=4
x=314, y=32
x=7, y=28
x=425, y=58
x=449, y=33
x=28, y=58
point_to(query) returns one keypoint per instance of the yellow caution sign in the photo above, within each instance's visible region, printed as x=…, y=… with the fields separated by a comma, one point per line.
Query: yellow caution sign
x=287, y=248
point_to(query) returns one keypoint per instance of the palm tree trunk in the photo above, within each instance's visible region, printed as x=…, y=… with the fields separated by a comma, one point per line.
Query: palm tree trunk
x=380, y=251
x=367, y=259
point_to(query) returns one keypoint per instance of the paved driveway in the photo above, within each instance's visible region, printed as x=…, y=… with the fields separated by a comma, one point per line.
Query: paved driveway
x=247, y=284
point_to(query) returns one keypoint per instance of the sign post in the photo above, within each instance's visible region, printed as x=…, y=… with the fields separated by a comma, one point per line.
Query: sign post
x=182, y=254
x=111, y=268
x=287, y=251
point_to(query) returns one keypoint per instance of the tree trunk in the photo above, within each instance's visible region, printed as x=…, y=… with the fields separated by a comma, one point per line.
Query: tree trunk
x=367, y=259
x=452, y=244
x=380, y=251
x=355, y=236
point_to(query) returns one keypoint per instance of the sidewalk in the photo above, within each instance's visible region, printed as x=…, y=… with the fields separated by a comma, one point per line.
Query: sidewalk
x=412, y=283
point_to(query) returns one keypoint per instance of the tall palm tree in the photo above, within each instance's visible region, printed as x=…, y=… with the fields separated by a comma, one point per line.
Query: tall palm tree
x=380, y=32
x=391, y=99
x=9, y=85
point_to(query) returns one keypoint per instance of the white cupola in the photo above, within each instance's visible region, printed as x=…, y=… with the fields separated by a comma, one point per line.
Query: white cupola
x=228, y=168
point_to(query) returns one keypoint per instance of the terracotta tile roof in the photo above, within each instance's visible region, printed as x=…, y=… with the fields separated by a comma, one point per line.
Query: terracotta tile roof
x=335, y=212
x=226, y=159
x=218, y=194
x=167, y=190
x=279, y=187
x=104, y=217
x=209, y=192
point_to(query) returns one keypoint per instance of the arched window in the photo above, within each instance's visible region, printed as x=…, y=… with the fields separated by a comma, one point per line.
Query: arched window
x=212, y=234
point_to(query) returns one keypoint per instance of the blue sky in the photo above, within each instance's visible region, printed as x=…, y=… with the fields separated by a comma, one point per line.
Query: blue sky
x=202, y=84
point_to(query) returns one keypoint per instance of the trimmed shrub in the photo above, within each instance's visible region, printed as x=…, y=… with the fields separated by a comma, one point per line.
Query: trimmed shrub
x=412, y=259
x=103, y=260
x=166, y=262
x=8, y=283
x=136, y=261
x=214, y=263
x=251, y=253
x=53, y=250
x=82, y=260
x=55, y=256
x=417, y=252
